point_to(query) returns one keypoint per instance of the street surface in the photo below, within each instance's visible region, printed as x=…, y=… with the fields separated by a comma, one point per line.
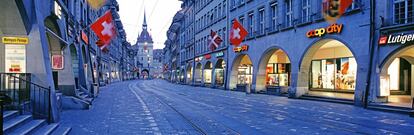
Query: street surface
x=158, y=107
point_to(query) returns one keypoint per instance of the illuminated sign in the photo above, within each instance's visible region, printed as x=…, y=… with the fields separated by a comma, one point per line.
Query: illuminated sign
x=401, y=39
x=220, y=54
x=57, y=62
x=15, y=40
x=207, y=56
x=58, y=10
x=241, y=48
x=15, y=58
x=199, y=58
x=332, y=29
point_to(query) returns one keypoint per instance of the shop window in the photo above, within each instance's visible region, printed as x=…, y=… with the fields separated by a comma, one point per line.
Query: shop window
x=334, y=74
x=277, y=74
x=245, y=74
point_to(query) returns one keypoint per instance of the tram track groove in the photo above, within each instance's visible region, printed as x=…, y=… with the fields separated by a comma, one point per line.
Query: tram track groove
x=189, y=120
x=336, y=124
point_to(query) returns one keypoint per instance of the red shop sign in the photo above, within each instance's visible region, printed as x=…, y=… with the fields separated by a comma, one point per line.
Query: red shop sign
x=207, y=56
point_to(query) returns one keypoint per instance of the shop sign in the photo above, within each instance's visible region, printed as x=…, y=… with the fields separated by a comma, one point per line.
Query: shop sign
x=199, y=58
x=85, y=37
x=220, y=54
x=58, y=10
x=57, y=62
x=242, y=48
x=401, y=39
x=15, y=40
x=15, y=58
x=332, y=29
x=207, y=56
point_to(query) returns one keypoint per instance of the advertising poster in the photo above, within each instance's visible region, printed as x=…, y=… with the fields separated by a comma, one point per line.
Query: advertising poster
x=15, y=58
x=57, y=62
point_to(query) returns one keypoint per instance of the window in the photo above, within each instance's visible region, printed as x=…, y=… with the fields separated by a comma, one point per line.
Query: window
x=305, y=11
x=250, y=23
x=261, y=20
x=233, y=3
x=219, y=12
x=224, y=8
x=274, y=15
x=289, y=13
x=403, y=11
x=224, y=36
x=241, y=20
x=353, y=6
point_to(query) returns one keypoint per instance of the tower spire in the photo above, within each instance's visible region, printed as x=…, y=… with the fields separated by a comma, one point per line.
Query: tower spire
x=144, y=25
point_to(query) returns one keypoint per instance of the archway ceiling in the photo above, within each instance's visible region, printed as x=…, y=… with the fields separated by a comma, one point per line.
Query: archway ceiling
x=11, y=21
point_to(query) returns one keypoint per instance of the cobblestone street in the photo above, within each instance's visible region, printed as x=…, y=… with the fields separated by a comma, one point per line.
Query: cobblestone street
x=158, y=107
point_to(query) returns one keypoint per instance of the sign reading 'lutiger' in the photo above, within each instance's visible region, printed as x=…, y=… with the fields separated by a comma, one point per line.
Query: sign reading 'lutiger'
x=332, y=29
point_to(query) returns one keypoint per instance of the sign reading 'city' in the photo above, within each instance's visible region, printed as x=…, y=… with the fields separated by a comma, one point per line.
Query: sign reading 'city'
x=331, y=29
x=401, y=39
x=242, y=48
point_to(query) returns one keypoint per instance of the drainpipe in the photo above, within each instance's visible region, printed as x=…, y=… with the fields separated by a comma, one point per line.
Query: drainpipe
x=372, y=47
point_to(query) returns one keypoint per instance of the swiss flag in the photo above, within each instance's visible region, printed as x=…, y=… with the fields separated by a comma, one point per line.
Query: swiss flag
x=333, y=10
x=215, y=40
x=237, y=33
x=104, y=28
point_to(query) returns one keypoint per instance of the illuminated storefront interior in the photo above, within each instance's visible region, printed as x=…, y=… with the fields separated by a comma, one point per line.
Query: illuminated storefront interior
x=397, y=79
x=333, y=68
x=208, y=73
x=189, y=74
x=219, y=72
x=198, y=73
x=245, y=71
x=278, y=69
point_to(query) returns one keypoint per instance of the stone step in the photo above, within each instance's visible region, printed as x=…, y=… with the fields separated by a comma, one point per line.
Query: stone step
x=48, y=129
x=7, y=115
x=393, y=109
x=62, y=131
x=327, y=99
x=29, y=127
x=14, y=123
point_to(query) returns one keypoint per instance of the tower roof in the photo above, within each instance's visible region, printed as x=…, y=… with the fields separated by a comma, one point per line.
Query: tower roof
x=145, y=35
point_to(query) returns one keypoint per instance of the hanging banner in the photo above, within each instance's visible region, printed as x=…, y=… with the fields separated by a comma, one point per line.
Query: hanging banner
x=15, y=58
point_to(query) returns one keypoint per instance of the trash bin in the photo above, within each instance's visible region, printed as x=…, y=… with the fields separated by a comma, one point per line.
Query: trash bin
x=95, y=89
x=248, y=90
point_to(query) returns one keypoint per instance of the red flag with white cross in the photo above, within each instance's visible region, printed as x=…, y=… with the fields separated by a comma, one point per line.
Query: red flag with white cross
x=237, y=33
x=215, y=40
x=104, y=29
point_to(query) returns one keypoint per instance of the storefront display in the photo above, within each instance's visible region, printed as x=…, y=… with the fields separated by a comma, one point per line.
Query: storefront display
x=245, y=74
x=219, y=77
x=334, y=74
x=207, y=76
x=219, y=72
x=277, y=74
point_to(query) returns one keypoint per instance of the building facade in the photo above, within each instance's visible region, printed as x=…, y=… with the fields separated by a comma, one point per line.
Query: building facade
x=144, y=48
x=61, y=52
x=291, y=50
